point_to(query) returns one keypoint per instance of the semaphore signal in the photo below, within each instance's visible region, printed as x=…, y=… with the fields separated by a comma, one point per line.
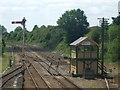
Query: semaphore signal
x=23, y=59
x=22, y=22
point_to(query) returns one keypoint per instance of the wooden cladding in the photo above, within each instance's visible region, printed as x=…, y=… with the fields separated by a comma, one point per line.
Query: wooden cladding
x=82, y=66
x=85, y=55
x=84, y=52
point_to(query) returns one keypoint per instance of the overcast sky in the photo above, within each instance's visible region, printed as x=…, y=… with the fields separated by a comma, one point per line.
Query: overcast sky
x=47, y=12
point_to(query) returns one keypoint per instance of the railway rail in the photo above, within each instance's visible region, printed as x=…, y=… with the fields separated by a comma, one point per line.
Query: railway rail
x=36, y=77
x=13, y=73
x=65, y=82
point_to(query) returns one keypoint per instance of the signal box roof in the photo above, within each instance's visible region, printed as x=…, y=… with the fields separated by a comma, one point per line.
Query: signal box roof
x=83, y=41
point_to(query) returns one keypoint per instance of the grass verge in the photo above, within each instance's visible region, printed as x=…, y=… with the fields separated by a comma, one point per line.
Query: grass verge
x=5, y=60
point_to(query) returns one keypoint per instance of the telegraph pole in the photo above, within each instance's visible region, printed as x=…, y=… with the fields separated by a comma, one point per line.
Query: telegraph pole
x=102, y=22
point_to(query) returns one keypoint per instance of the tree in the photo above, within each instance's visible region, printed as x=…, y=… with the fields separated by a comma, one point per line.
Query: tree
x=18, y=29
x=75, y=23
x=3, y=46
x=94, y=33
x=43, y=26
x=17, y=34
x=116, y=20
x=114, y=42
x=35, y=27
x=3, y=29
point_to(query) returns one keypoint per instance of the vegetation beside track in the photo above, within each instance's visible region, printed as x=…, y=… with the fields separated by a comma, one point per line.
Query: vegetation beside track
x=5, y=60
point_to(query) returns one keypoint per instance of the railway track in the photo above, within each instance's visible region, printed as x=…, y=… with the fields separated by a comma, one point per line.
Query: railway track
x=11, y=75
x=64, y=82
x=36, y=77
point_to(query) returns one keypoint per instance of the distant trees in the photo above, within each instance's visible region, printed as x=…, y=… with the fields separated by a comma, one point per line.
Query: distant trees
x=3, y=46
x=113, y=44
x=3, y=30
x=111, y=40
x=35, y=27
x=75, y=23
x=114, y=40
x=47, y=37
x=94, y=33
x=16, y=35
x=116, y=20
